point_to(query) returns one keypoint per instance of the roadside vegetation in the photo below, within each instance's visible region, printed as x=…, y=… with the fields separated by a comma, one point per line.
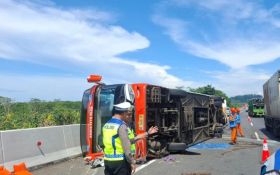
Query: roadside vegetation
x=37, y=113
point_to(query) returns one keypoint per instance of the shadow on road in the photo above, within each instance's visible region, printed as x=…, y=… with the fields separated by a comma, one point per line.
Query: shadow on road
x=190, y=153
x=269, y=135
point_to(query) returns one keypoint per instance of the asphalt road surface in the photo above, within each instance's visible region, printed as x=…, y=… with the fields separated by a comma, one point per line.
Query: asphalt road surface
x=241, y=159
x=258, y=126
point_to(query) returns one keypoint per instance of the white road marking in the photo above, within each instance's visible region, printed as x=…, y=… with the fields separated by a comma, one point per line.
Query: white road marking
x=257, y=136
x=144, y=165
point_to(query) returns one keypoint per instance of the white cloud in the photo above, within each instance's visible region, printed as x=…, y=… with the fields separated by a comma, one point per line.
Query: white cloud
x=23, y=88
x=35, y=32
x=237, y=54
x=152, y=74
x=83, y=40
x=236, y=33
x=240, y=81
x=238, y=9
x=175, y=28
x=245, y=32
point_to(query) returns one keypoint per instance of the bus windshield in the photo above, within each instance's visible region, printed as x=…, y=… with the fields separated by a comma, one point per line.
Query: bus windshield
x=104, y=112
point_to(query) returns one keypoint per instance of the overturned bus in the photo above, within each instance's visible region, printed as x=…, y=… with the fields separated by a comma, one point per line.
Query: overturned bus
x=183, y=118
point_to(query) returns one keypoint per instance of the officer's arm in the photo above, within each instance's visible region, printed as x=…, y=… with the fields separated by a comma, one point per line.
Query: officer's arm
x=126, y=144
x=139, y=136
x=152, y=130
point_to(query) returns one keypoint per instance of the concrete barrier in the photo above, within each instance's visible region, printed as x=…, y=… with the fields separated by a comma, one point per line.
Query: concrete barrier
x=1, y=150
x=37, y=146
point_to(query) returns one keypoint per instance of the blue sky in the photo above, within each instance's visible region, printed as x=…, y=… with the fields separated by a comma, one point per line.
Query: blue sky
x=48, y=48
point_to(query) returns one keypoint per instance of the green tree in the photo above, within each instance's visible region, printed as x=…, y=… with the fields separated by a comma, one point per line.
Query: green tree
x=6, y=103
x=37, y=113
x=7, y=122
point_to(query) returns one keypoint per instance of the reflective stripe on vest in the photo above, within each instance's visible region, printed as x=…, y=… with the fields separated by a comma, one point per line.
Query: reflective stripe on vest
x=113, y=148
x=232, y=122
x=131, y=137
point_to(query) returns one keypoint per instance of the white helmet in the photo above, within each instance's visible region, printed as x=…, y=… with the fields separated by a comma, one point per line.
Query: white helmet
x=124, y=106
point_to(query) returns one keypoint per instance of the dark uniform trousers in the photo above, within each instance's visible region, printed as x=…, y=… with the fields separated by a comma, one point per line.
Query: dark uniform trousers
x=121, y=167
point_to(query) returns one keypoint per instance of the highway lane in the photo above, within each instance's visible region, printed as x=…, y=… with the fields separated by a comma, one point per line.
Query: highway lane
x=241, y=159
x=74, y=166
x=258, y=126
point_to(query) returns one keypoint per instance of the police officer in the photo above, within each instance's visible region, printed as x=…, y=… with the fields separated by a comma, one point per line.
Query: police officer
x=118, y=138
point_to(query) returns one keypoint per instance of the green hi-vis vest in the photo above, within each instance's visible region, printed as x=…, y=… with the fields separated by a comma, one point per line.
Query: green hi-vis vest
x=113, y=148
x=131, y=137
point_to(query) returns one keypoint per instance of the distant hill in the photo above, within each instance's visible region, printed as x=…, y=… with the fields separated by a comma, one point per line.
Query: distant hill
x=244, y=98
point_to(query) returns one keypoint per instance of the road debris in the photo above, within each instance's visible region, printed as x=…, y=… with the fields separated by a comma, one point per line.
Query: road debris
x=169, y=158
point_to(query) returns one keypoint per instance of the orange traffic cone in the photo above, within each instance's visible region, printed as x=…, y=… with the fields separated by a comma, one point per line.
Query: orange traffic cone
x=265, y=152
